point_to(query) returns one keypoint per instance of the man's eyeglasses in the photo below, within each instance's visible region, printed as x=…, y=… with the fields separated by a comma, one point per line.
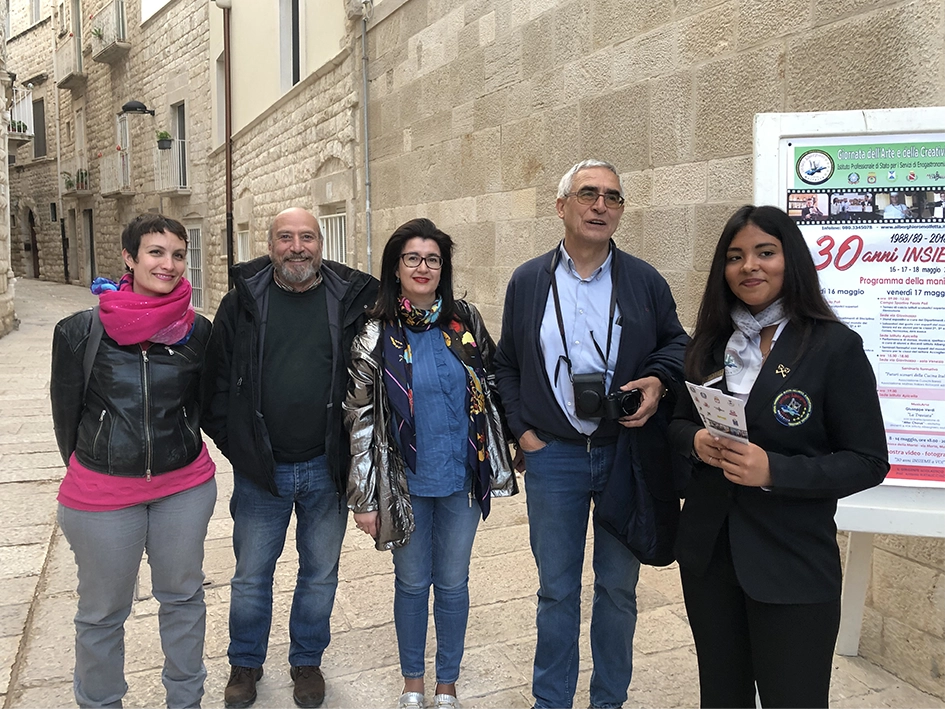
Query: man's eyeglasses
x=412, y=260
x=589, y=196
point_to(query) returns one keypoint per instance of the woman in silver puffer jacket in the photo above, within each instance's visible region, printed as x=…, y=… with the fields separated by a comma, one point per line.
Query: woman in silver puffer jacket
x=427, y=442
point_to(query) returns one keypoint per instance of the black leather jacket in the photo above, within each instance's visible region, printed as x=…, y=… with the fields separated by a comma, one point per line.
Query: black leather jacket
x=140, y=415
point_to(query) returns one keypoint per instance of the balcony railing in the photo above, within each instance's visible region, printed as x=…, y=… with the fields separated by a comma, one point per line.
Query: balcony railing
x=116, y=174
x=75, y=176
x=69, y=74
x=168, y=175
x=20, y=129
x=109, y=40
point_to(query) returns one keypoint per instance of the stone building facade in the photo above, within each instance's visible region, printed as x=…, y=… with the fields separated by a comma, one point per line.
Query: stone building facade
x=474, y=110
x=102, y=164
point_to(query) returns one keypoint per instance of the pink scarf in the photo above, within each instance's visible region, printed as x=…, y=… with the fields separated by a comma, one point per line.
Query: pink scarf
x=130, y=318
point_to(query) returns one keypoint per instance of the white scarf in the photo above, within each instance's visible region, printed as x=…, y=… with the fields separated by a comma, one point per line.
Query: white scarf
x=743, y=358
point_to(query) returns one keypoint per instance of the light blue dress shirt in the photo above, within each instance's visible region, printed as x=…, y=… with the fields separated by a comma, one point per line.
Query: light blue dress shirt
x=585, y=309
x=441, y=417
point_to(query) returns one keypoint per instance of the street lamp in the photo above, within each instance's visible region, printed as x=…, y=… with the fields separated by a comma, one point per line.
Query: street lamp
x=135, y=107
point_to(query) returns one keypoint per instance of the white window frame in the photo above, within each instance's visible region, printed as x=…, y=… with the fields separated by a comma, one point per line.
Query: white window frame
x=179, y=124
x=35, y=11
x=244, y=246
x=290, y=43
x=195, y=270
x=335, y=232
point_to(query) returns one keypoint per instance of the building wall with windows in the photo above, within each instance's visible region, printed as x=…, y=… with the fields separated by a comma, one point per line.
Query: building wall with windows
x=294, y=144
x=300, y=152
x=281, y=43
x=36, y=246
x=103, y=168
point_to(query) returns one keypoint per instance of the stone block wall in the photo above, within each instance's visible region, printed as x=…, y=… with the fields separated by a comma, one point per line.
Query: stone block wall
x=478, y=102
x=476, y=108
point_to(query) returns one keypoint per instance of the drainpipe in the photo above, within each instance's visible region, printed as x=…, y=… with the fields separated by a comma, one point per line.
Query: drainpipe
x=226, y=5
x=62, y=223
x=367, y=9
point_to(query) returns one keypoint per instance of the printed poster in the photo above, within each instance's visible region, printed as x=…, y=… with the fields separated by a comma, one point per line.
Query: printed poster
x=872, y=210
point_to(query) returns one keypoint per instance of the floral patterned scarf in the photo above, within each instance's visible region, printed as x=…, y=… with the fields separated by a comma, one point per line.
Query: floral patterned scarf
x=398, y=380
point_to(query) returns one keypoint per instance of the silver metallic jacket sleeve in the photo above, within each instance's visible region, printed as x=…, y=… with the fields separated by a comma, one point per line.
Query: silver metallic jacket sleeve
x=359, y=417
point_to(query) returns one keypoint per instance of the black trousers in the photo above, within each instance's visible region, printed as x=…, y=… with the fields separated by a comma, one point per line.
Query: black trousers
x=786, y=649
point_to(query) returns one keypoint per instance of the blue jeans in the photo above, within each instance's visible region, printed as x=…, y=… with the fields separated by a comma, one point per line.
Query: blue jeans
x=108, y=548
x=260, y=520
x=438, y=554
x=561, y=481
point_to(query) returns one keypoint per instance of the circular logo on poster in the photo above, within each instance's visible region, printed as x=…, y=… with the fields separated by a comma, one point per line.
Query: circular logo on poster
x=815, y=167
x=792, y=407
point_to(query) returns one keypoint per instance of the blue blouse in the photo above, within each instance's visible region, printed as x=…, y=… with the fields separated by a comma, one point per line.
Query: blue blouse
x=441, y=417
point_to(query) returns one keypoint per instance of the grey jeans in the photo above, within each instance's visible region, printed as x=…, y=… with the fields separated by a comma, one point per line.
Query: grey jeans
x=108, y=548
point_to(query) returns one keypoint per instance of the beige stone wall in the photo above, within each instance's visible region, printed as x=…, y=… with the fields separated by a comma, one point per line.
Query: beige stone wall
x=478, y=107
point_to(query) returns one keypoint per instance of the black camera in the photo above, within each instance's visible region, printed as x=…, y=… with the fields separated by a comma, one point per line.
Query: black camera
x=591, y=400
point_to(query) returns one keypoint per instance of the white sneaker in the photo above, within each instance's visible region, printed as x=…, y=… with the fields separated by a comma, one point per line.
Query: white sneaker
x=410, y=700
x=445, y=701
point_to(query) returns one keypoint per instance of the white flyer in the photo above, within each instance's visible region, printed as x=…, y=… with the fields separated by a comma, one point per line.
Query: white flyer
x=723, y=415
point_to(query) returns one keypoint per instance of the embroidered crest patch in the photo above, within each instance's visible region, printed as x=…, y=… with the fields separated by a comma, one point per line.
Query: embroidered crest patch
x=792, y=407
x=733, y=363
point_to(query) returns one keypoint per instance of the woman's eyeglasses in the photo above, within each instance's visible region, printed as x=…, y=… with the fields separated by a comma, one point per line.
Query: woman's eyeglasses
x=412, y=260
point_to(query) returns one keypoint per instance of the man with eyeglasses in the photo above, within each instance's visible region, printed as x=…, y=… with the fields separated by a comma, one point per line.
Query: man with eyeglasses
x=583, y=323
x=275, y=376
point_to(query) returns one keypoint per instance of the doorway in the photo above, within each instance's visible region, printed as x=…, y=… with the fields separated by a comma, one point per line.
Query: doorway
x=33, y=245
x=87, y=225
x=72, y=238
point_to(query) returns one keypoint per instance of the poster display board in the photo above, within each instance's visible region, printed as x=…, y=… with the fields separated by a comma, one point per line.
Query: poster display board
x=871, y=206
x=867, y=190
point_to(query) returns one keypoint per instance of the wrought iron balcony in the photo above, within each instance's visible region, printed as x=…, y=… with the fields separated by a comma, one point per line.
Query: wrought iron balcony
x=69, y=70
x=75, y=176
x=20, y=130
x=170, y=169
x=116, y=174
x=109, y=39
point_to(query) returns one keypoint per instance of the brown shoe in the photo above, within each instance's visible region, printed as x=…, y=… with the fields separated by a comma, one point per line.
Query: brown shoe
x=241, y=689
x=309, y=686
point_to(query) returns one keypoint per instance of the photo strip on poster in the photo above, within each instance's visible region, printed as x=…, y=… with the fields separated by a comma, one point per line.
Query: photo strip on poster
x=872, y=210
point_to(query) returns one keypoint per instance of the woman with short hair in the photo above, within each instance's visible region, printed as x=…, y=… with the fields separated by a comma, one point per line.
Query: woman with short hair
x=138, y=475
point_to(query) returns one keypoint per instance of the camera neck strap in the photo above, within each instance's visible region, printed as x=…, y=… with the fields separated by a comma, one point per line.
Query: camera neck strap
x=604, y=355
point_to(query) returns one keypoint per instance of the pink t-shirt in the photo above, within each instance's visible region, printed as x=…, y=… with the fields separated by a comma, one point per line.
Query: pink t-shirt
x=89, y=491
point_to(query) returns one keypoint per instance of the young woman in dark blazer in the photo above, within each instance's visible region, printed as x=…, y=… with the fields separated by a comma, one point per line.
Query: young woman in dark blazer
x=757, y=546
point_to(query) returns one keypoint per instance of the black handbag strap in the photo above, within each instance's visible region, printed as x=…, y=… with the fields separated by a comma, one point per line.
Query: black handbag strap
x=91, y=347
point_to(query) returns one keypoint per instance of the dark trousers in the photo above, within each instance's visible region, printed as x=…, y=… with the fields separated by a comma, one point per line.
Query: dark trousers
x=787, y=649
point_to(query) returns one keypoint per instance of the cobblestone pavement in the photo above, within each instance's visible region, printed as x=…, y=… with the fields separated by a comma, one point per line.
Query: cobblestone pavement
x=38, y=579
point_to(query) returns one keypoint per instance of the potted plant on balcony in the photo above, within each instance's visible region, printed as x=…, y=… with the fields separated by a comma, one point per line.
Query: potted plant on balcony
x=68, y=181
x=164, y=140
x=82, y=179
